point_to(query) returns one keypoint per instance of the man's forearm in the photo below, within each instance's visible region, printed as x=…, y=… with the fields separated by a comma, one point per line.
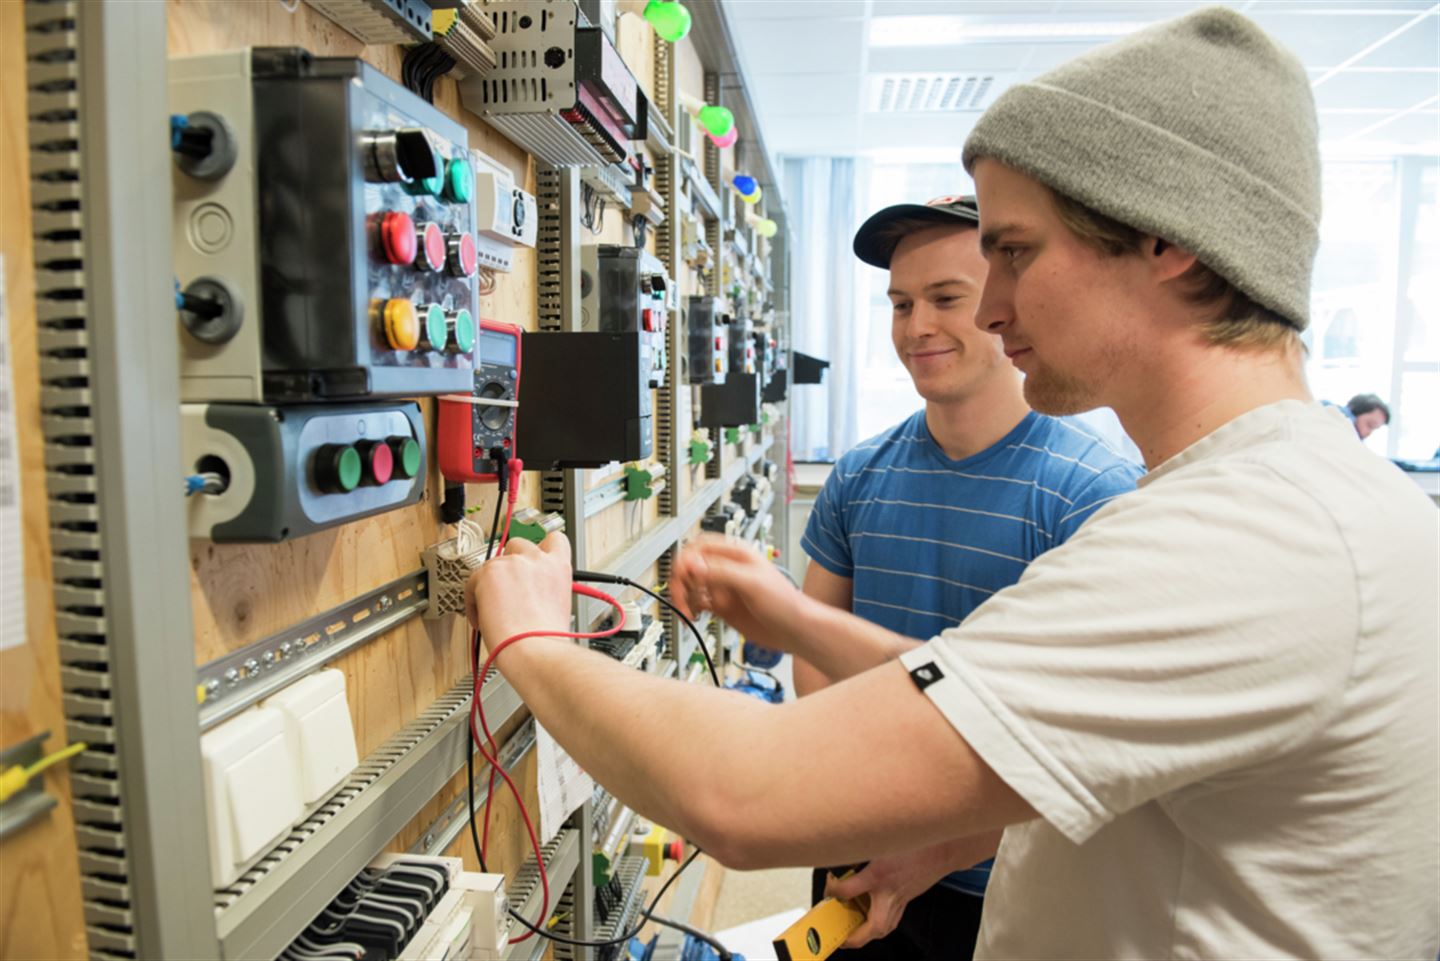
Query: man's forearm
x=720, y=767
x=840, y=644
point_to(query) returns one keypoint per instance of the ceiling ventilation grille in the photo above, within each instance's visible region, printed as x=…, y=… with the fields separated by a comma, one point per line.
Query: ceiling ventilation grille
x=929, y=92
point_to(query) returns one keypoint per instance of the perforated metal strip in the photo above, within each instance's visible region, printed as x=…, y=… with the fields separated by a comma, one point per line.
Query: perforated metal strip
x=52, y=76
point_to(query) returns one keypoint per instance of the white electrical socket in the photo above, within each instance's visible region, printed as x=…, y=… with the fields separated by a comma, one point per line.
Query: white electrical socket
x=318, y=732
x=251, y=791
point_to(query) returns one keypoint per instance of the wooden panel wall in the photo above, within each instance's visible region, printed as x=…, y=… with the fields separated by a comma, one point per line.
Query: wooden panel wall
x=241, y=593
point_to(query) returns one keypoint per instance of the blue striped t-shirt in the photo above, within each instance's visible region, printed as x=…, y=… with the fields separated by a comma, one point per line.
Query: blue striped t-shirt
x=925, y=539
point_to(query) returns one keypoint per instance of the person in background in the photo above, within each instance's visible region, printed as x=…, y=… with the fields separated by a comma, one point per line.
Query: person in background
x=1368, y=413
x=918, y=526
x=1209, y=723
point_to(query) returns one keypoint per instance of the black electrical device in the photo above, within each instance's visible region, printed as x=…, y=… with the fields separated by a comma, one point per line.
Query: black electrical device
x=323, y=232
x=809, y=370
x=627, y=290
x=776, y=388
x=708, y=341
x=586, y=398
x=735, y=403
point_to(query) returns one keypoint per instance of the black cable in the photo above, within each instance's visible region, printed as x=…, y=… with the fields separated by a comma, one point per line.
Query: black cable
x=470, y=762
x=596, y=577
x=696, y=933
x=622, y=938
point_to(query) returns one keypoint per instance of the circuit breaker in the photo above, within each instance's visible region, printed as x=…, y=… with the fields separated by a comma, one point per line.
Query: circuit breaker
x=627, y=290
x=586, y=399
x=324, y=243
x=284, y=472
x=708, y=342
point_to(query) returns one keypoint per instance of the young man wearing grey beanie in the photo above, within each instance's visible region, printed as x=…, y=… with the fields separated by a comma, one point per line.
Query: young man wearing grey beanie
x=1208, y=721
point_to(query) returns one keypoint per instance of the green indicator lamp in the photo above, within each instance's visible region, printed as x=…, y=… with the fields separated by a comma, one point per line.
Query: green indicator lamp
x=717, y=121
x=670, y=19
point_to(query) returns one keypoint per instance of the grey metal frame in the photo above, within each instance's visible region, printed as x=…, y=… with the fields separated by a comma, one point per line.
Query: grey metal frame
x=111, y=412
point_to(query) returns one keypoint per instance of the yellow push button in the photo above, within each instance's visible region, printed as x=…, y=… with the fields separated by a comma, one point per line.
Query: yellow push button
x=401, y=323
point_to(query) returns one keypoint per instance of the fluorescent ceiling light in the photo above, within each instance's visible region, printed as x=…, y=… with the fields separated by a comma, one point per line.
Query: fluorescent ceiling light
x=943, y=31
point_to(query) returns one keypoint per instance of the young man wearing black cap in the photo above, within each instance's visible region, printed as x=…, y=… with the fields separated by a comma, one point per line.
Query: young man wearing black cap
x=917, y=526
x=1209, y=723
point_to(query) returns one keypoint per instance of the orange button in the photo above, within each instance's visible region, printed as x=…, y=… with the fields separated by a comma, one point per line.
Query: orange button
x=402, y=324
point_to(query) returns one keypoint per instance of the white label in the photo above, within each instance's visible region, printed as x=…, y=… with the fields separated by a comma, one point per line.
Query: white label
x=12, y=552
x=562, y=785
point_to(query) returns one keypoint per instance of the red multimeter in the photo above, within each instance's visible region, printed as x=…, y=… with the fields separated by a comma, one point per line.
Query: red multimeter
x=471, y=427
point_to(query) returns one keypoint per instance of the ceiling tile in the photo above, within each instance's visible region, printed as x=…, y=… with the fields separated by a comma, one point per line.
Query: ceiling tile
x=1325, y=41
x=811, y=136
x=818, y=94
x=740, y=10
x=963, y=56
x=1417, y=47
x=1390, y=91
x=815, y=45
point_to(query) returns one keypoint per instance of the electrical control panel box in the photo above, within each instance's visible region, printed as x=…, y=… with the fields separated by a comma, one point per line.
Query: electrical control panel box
x=625, y=290
x=708, y=342
x=284, y=472
x=473, y=426
x=324, y=243
x=735, y=403
x=586, y=399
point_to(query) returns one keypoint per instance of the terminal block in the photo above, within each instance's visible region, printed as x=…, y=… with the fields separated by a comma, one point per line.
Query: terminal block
x=644, y=481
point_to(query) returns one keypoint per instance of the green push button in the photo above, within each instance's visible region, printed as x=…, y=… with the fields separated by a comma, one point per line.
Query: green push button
x=350, y=469
x=337, y=468
x=437, y=331
x=459, y=181
x=407, y=455
x=464, y=331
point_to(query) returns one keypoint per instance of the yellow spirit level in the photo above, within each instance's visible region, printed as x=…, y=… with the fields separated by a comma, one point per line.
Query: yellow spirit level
x=821, y=930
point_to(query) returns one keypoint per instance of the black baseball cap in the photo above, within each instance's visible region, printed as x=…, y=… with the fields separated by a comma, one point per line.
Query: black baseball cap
x=875, y=245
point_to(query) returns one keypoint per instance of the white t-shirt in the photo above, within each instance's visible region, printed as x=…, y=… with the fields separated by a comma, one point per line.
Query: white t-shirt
x=1220, y=697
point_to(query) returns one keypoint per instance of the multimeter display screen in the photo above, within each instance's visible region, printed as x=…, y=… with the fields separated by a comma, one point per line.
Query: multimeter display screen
x=497, y=348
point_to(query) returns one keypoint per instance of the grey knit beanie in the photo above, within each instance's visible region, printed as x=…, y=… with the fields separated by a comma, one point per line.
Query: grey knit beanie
x=1200, y=130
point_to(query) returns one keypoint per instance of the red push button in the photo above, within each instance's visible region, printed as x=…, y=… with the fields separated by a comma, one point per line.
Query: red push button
x=378, y=460
x=719, y=343
x=431, y=241
x=464, y=260
x=647, y=319
x=397, y=237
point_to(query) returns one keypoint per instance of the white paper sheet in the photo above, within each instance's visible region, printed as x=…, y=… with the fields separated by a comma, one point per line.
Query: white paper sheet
x=563, y=786
x=12, y=556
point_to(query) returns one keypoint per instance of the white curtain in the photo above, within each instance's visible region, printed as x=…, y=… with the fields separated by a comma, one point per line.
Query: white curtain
x=825, y=199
